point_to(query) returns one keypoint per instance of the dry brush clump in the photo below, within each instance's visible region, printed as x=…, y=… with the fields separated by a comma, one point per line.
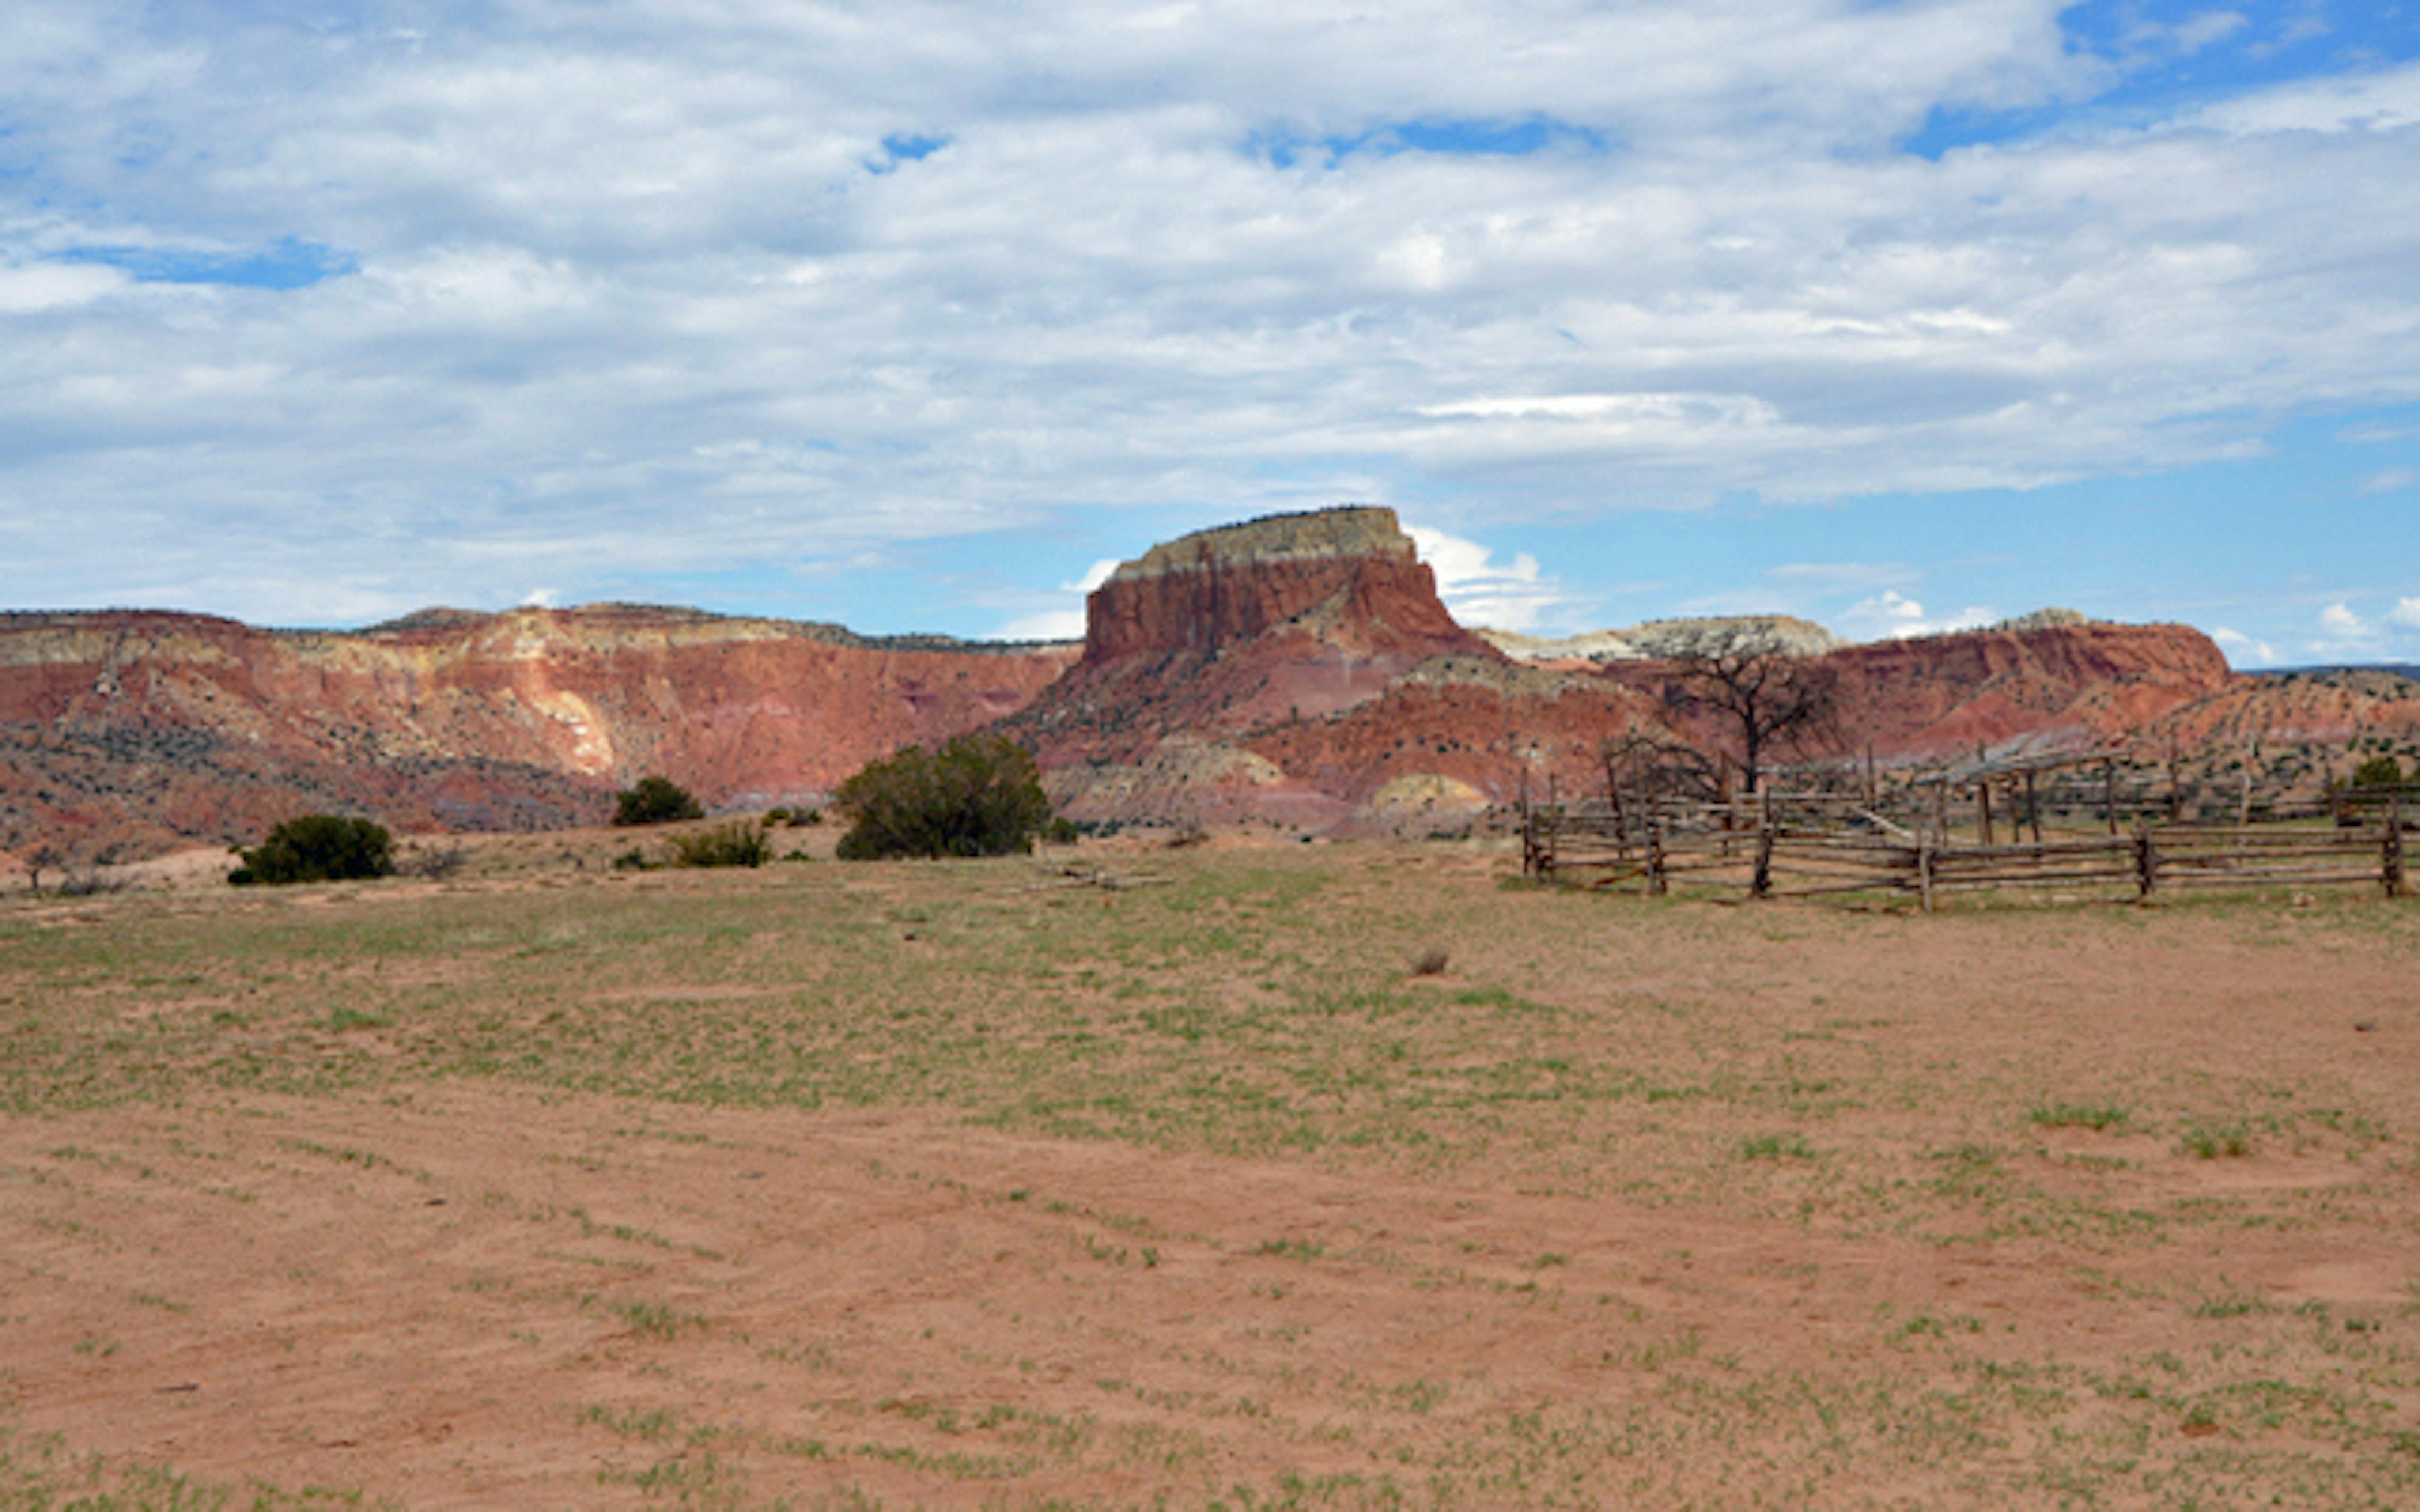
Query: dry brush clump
x=655, y=800
x=736, y=844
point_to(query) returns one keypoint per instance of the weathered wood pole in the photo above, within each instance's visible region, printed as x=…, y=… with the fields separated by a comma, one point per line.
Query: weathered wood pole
x=2109, y=794
x=1528, y=829
x=1983, y=810
x=1554, y=824
x=1654, y=851
x=2032, y=811
x=1924, y=871
x=2146, y=860
x=2391, y=867
x=1761, y=883
x=1940, y=811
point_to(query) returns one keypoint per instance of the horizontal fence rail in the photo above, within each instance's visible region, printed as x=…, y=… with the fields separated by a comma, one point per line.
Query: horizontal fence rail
x=1792, y=845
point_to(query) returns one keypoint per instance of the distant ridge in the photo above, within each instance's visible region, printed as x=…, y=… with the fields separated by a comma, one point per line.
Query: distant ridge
x=2393, y=669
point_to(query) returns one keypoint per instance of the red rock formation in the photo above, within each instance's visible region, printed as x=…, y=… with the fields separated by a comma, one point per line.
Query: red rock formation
x=134, y=728
x=1227, y=630
x=1351, y=575
x=2084, y=685
x=2050, y=685
x=1301, y=670
x=1298, y=669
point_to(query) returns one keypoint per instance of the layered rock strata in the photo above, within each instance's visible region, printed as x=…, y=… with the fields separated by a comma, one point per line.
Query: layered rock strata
x=130, y=729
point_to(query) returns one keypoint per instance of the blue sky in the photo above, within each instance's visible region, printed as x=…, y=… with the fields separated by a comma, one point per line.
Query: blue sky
x=1899, y=316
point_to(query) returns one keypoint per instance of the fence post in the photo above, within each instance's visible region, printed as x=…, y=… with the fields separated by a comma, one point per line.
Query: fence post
x=1655, y=849
x=1528, y=829
x=1984, y=810
x=1762, y=881
x=2391, y=867
x=2146, y=860
x=1924, y=871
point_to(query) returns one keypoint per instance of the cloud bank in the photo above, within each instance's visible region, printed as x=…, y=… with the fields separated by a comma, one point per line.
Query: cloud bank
x=318, y=316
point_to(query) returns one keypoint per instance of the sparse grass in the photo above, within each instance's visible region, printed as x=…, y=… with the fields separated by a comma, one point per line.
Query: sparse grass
x=2215, y=1141
x=1776, y=1147
x=1616, y=1056
x=2096, y=1116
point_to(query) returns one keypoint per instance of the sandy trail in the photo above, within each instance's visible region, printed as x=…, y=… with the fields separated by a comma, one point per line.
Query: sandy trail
x=479, y=1297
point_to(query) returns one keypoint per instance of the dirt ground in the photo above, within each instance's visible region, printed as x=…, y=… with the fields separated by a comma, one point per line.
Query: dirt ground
x=969, y=1186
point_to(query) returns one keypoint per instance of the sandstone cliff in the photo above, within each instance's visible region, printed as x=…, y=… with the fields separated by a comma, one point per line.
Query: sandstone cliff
x=1223, y=631
x=1300, y=669
x=133, y=729
x=2056, y=684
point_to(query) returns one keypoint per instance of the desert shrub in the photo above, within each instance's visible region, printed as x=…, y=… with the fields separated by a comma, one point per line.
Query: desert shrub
x=1430, y=962
x=736, y=844
x=318, y=848
x=977, y=795
x=633, y=859
x=434, y=862
x=655, y=800
x=2378, y=772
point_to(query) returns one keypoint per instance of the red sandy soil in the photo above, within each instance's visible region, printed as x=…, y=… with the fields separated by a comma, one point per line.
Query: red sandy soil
x=473, y=1296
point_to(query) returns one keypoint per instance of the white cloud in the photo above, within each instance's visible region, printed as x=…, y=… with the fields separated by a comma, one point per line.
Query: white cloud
x=2241, y=647
x=37, y=286
x=2346, y=633
x=1840, y=576
x=2340, y=622
x=2390, y=481
x=1059, y=620
x=630, y=261
x=2193, y=34
x=2382, y=101
x=1891, y=615
x=1479, y=590
x=2377, y=435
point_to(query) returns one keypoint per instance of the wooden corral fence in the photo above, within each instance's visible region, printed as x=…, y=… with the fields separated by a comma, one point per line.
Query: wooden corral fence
x=1809, y=845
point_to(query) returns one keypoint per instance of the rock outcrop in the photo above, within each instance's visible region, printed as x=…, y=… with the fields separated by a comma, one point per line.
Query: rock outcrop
x=1349, y=576
x=130, y=729
x=1289, y=669
x=1654, y=640
x=1299, y=670
x=1296, y=616
x=2052, y=685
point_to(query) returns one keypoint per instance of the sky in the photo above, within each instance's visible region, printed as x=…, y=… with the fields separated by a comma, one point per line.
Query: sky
x=1900, y=315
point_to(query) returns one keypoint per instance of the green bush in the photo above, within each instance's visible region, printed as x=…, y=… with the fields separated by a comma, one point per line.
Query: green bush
x=977, y=795
x=318, y=848
x=2378, y=772
x=738, y=843
x=655, y=800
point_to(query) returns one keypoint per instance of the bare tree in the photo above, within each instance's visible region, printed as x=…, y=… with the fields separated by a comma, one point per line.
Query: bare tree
x=1761, y=694
x=1656, y=766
